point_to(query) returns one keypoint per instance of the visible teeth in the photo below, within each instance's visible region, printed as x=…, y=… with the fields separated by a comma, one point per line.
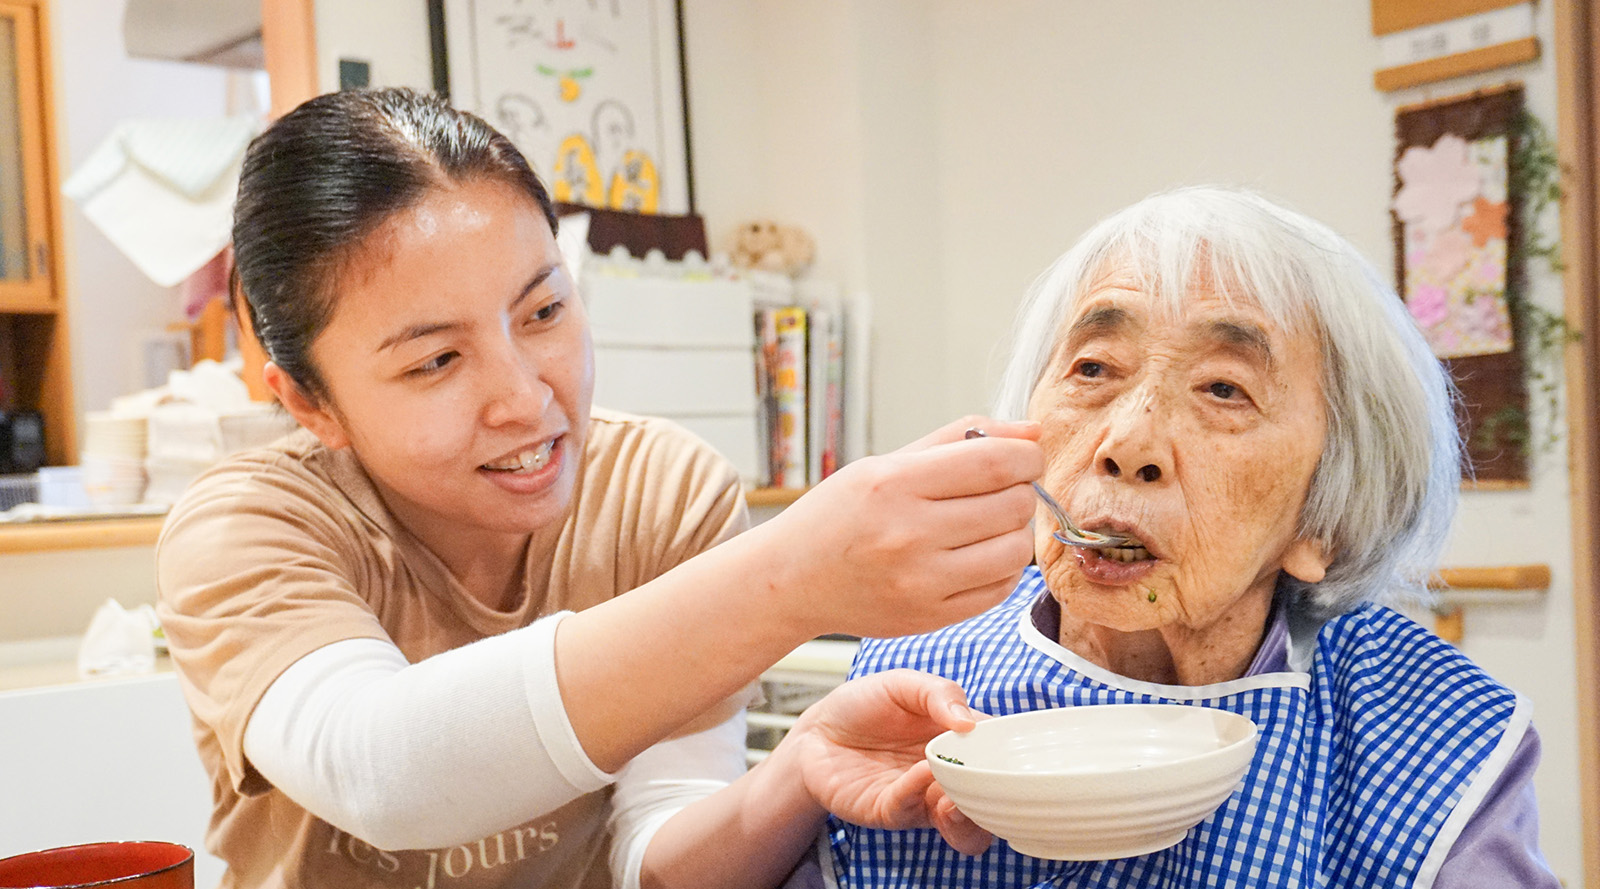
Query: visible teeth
x=533, y=458
x=1125, y=553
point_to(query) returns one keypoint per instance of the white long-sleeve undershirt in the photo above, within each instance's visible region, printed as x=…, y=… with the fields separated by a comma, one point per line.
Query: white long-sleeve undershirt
x=662, y=781
x=461, y=745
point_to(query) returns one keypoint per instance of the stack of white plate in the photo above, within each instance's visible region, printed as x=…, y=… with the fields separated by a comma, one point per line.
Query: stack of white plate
x=113, y=458
x=187, y=439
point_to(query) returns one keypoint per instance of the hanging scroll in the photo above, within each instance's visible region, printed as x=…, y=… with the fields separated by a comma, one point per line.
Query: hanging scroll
x=1455, y=231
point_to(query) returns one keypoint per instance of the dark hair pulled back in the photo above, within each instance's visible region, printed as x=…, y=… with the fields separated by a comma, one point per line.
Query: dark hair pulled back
x=326, y=175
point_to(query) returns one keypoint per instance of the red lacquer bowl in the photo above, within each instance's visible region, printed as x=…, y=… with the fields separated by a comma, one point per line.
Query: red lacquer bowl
x=122, y=865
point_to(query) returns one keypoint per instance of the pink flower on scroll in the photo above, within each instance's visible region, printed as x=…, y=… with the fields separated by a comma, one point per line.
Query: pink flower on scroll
x=1447, y=255
x=1485, y=315
x=1489, y=274
x=1488, y=220
x=1429, y=305
x=1435, y=182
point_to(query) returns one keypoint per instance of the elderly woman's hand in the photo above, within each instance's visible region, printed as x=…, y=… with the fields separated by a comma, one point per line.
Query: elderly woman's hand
x=861, y=757
x=909, y=541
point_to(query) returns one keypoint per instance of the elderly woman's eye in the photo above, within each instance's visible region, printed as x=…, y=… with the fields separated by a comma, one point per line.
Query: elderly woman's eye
x=1090, y=368
x=1224, y=391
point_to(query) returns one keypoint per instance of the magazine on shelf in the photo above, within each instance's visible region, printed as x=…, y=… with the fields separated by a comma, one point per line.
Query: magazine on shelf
x=825, y=394
x=789, y=418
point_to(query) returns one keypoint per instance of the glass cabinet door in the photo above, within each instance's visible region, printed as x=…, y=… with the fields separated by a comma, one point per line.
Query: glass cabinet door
x=24, y=246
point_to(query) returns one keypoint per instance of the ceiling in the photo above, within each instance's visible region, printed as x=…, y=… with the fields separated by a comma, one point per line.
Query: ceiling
x=216, y=32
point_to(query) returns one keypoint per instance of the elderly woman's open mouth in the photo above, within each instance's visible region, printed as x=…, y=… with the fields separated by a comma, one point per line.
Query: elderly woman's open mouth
x=1123, y=563
x=1132, y=551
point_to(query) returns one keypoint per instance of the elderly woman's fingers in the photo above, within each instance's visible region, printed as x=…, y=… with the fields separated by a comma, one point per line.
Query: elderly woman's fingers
x=957, y=829
x=941, y=700
x=956, y=430
x=903, y=804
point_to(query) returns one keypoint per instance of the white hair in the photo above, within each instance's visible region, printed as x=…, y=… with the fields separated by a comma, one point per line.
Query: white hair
x=1385, y=488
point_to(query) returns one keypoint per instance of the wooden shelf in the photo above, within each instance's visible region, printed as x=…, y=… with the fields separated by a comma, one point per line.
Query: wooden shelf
x=768, y=498
x=84, y=534
x=143, y=530
x=1498, y=584
x=34, y=362
x=1499, y=577
x=27, y=304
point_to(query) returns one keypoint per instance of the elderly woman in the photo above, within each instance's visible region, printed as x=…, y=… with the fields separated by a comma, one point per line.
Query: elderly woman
x=1229, y=385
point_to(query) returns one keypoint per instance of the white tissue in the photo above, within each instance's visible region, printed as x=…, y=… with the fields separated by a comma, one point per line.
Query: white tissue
x=211, y=385
x=118, y=641
x=162, y=191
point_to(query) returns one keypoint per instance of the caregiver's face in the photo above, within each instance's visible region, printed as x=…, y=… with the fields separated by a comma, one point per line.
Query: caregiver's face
x=1196, y=434
x=459, y=364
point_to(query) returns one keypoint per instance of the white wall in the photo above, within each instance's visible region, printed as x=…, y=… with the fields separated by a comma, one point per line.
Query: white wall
x=945, y=152
x=112, y=304
x=52, y=594
x=389, y=35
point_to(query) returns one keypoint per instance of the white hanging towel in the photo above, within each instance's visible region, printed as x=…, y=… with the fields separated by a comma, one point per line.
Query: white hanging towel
x=162, y=190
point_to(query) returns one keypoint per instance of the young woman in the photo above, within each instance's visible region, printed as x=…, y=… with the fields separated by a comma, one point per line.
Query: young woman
x=400, y=630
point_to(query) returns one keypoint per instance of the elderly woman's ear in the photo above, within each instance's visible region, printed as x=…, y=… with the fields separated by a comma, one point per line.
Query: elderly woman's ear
x=1307, y=560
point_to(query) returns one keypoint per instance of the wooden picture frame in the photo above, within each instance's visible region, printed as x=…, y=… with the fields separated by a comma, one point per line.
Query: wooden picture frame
x=593, y=93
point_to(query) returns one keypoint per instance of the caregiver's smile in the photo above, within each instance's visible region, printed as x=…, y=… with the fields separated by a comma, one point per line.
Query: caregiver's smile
x=1195, y=432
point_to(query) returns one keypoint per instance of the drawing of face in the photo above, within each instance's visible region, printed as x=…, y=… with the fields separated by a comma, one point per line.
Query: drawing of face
x=520, y=118
x=578, y=86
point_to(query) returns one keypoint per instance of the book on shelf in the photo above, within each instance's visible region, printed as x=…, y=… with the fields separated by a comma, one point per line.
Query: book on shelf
x=789, y=417
x=800, y=378
x=825, y=348
x=831, y=428
x=766, y=361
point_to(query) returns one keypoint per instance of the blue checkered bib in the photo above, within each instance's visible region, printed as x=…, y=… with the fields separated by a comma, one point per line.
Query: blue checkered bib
x=1365, y=771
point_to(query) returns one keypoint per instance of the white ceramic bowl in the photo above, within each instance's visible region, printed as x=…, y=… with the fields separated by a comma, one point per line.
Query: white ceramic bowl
x=1096, y=782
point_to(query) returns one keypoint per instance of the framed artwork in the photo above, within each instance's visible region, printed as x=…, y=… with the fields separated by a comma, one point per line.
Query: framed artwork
x=591, y=91
x=1455, y=218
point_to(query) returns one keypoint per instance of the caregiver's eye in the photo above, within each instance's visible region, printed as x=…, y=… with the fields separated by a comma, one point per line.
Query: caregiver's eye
x=433, y=365
x=549, y=310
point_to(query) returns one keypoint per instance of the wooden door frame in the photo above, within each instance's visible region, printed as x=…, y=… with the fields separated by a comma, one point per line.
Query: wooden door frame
x=289, y=45
x=1577, y=30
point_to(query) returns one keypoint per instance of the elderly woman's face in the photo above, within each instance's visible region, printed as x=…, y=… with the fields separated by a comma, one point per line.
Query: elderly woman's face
x=1197, y=435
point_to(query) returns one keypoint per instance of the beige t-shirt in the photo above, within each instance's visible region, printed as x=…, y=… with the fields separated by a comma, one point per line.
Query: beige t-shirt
x=280, y=551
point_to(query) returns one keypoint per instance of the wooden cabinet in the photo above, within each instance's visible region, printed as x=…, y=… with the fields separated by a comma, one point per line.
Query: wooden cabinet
x=35, y=371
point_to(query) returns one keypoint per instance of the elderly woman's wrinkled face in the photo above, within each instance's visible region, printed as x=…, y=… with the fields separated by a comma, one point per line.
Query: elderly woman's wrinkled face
x=1197, y=435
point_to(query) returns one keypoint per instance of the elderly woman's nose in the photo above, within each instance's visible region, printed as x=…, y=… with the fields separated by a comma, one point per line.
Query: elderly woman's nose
x=1135, y=445
x=1149, y=472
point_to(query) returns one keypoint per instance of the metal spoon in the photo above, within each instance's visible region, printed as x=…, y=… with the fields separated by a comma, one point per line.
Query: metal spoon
x=1069, y=533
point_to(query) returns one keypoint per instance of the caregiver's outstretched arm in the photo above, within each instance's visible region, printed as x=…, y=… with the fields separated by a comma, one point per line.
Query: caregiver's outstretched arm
x=900, y=543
